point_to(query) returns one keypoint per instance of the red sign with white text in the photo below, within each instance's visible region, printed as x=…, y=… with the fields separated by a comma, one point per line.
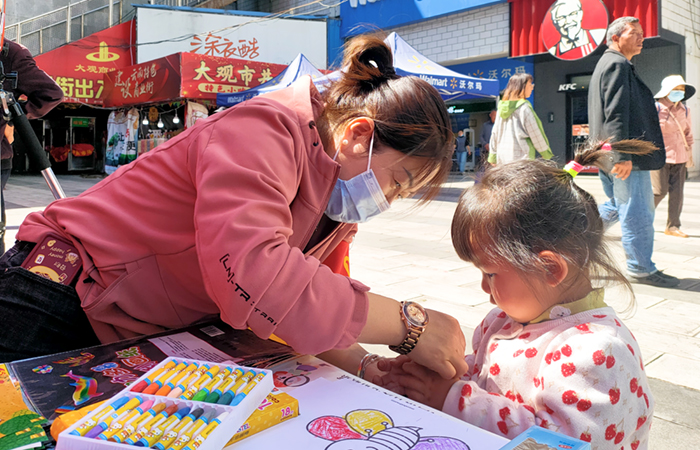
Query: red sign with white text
x=150, y=82
x=79, y=66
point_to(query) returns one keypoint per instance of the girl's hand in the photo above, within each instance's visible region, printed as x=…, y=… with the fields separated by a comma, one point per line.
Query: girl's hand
x=441, y=346
x=424, y=385
x=382, y=372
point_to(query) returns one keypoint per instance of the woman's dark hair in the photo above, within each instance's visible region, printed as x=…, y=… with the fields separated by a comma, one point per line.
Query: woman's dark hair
x=409, y=114
x=515, y=89
x=522, y=208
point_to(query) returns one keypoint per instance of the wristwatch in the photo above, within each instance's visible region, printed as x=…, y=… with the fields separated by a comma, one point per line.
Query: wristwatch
x=415, y=317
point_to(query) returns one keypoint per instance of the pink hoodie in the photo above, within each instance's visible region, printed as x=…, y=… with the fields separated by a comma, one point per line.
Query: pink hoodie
x=214, y=222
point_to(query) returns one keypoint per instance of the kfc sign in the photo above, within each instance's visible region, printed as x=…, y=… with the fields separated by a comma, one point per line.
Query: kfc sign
x=573, y=29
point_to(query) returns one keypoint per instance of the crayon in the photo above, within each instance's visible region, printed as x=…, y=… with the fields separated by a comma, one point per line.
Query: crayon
x=157, y=384
x=204, y=434
x=157, y=420
x=223, y=387
x=90, y=423
x=171, y=435
x=132, y=426
x=141, y=385
x=228, y=396
x=197, y=385
x=170, y=385
x=107, y=420
x=182, y=387
x=118, y=424
x=202, y=394
x=186, y=436
x=155, y=433
x=246, y=390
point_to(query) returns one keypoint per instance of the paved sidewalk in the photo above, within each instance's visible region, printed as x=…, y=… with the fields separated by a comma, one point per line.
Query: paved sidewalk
x=407, y=253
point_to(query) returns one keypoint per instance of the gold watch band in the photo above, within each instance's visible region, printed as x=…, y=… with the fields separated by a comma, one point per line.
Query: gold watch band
x=408, y=344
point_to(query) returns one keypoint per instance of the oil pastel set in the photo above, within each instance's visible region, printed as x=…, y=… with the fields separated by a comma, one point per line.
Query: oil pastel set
x=180, y=404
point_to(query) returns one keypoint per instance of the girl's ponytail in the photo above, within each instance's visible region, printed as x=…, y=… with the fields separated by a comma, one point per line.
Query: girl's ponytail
x=602, y=154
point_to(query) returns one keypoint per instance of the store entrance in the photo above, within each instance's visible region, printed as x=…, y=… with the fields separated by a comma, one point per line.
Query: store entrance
x=577, y=130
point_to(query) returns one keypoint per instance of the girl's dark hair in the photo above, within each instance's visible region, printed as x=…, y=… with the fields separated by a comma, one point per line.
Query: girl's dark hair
x=515, y=89
x=522, y=208
x=409, y=114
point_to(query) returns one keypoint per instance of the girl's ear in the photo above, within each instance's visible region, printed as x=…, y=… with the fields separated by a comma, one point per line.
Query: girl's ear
x=556, y=266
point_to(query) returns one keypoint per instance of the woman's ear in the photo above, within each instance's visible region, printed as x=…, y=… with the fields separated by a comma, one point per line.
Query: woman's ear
x=556, y=266
x=358, y=134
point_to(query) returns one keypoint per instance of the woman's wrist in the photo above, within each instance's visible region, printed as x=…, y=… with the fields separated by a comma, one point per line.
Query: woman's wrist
x=366, y=360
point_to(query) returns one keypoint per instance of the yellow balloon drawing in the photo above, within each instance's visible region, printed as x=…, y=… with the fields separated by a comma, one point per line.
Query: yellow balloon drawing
x=368, y=422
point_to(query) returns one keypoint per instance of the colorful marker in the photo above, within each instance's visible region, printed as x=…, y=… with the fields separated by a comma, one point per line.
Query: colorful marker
x=182, y=387
x=132, y=426
x=170, y=385
x=157, y=420
x=204, y=434
x=218, y=379
x=91, y=422
x=155, y=433
x=192, y=390
x=170, y=435
x=223, y=387
x=246, y=390
x=119, y=424
x=107, y=420
x=186, y=436
x=228, y=396
x=141, y=385
x=157, y=384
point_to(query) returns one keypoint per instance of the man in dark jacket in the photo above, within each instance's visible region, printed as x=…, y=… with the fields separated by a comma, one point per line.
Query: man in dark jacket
x=621, y=106
x=42, y=93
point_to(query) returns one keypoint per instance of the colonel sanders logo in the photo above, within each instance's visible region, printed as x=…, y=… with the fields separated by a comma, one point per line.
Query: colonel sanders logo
x=573, y=29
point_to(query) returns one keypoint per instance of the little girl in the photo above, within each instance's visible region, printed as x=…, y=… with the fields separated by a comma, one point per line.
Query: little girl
x=551, y=353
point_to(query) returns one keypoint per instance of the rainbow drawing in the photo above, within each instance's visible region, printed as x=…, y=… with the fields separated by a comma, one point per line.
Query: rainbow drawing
x=85, y=388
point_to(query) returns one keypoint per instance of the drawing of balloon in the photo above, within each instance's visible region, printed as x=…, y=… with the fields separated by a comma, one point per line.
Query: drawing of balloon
x=440, y=443
x=43, y=369
x=332, y=428
x=368, y=422
x=305, y=367
x=397, y=438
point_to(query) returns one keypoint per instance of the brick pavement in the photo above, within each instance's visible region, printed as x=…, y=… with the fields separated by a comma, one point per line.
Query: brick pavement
x=406, y=253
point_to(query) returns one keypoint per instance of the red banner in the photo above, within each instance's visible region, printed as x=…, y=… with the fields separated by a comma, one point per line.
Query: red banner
x=205, y=76
x=79, y=67
x=149, y=82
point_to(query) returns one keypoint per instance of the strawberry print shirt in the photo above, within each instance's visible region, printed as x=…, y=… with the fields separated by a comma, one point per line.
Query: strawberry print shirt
x=581, y=375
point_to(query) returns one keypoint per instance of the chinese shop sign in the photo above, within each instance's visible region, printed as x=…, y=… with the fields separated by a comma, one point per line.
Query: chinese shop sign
x=79, y=67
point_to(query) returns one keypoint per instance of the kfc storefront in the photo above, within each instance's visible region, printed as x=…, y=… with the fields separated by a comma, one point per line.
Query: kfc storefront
x=565, y=39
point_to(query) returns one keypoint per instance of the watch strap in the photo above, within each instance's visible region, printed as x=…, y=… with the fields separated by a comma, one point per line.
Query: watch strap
x=408, y=344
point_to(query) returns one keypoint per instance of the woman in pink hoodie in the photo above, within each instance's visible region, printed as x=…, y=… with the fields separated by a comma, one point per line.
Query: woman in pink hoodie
x=233, y=218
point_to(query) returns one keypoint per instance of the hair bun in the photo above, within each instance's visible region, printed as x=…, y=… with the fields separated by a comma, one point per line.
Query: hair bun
x=368, y=63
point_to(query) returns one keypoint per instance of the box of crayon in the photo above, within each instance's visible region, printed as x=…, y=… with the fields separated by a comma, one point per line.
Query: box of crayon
x=538, y=438
x=276, y=408
x=180, y=404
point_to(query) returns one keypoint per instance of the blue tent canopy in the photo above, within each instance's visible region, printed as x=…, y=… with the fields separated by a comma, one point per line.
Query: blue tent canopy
x=296, y=69
x=451, y=85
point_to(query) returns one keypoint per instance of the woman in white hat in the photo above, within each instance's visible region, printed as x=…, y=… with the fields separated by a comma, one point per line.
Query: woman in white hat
x=674, y=118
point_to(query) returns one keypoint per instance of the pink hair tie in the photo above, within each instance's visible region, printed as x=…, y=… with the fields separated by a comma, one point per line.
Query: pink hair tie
x=573, y=168
x=606, y=146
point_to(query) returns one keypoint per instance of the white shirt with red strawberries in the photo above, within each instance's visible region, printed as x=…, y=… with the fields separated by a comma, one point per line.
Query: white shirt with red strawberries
x=580, y=375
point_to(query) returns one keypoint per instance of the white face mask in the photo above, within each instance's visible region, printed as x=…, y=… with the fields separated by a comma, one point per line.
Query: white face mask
x=676, y=96
x=358, y=199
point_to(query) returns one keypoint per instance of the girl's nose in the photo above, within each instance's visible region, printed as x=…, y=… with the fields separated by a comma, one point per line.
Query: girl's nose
x=485, y=286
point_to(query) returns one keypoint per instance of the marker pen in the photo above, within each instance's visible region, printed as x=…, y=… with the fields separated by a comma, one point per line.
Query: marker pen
x=192, y=390
x=228, y=396
x=91, y=422
x=202, y=394
x=186, y=437
x=141, y=385
x=182, y=387
x=170, y=385
x=170, y=435
x=223, y=387
x=107, y=421
x=157, y=384
x=132, y=426
x=246, y=390
x=157, y=420
x=204, y=434
x=118, y=424
x=155, y=433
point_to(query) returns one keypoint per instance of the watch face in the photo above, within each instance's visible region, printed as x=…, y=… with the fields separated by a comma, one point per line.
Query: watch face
x=416, y=314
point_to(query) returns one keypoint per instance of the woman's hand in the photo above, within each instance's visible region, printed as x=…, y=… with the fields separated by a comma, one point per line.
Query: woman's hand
x=422, y=384
x=441, y=346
